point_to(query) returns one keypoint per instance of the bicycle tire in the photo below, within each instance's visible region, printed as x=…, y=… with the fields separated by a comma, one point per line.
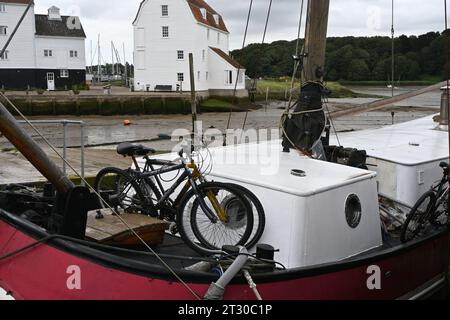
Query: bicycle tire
x=138, y=200
x=193, y=236
x=416, y=219
x=259, y=216
x=438, y=210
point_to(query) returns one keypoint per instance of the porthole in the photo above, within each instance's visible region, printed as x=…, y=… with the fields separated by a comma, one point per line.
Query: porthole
x=353, y=211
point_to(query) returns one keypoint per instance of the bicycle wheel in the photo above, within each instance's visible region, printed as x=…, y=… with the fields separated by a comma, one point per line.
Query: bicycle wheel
x=259, y=216
x=440, y=215
x=418, y=218
x=205, y=236
x=119, y=190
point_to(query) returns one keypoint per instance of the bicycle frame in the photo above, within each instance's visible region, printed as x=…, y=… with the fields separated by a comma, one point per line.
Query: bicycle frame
x=149, y=172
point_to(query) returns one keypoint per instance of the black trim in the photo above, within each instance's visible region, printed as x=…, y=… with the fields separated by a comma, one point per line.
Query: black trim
x=37, y=78
x=154, y=271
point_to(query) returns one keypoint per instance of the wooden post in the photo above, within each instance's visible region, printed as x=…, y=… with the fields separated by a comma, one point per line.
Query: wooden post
x=193, y=100
x=316, y=40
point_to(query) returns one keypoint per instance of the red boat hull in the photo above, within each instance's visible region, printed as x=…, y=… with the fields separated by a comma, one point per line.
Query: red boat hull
x=44, y=271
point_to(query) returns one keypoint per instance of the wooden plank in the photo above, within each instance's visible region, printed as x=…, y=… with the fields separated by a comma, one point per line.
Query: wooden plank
x=111, y=229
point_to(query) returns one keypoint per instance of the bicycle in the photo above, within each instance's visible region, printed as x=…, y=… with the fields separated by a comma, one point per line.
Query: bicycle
x=227, y=207
x=430, y=210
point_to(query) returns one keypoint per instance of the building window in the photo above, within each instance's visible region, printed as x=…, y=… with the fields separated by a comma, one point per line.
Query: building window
x=228, y=77
x=4, y=56
x=165, y=32
x=208, y=32
x=48, y=53
x=217, y=18
x=203, y=55
x=203, y=12
x=3, y=30
x=180, y=77
x=165, y=10
x=199, y=76
x=180, y=55
x=64, y=73
x=73, y=54
x=2, y=7
x=218, y=37
x=207, y=75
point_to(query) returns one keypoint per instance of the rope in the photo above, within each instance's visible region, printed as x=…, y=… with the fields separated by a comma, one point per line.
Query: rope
x=101, y=198
x=446, y=76
x=32, y=245
x=269, y=11
x=296, y=63
x=239, y=70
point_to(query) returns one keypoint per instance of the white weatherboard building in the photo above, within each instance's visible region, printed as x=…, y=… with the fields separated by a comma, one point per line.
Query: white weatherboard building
x=166, y=31
x=48, y=51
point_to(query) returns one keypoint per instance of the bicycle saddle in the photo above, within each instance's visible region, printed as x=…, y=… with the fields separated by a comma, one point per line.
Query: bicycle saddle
x=130, y=150
x=444, y=165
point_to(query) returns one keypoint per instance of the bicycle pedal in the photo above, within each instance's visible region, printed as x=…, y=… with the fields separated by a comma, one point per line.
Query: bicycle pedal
x=173, y=229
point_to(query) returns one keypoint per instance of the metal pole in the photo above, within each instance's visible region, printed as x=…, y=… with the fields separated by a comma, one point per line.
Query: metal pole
x=64, y=123
x=16, y=28
x=447, y=80
x=125, y=64
x=82, y=153
x=193, y=100
x=393, y=49
x=12, y=131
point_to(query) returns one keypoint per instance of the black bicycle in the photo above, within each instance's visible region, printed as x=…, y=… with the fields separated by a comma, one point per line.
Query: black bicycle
x=228, y=212
x=430, y=210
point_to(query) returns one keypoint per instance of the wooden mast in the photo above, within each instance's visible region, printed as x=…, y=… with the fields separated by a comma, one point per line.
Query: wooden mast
x=316, y=40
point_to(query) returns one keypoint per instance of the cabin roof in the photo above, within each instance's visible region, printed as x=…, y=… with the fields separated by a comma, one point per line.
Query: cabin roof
x=410, y=143
x=227, y=58
x=265, y=165
x=57, y=28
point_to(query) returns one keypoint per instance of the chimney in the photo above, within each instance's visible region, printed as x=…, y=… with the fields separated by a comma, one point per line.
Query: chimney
x=54, y=13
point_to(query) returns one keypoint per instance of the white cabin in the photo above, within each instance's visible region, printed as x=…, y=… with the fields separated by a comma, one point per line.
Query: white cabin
x=166, y=31
x=47, y=52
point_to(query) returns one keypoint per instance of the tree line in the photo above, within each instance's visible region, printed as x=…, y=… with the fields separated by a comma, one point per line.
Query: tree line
x=356, y=58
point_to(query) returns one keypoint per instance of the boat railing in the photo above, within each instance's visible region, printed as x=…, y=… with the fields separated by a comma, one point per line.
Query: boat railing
x=65, y=124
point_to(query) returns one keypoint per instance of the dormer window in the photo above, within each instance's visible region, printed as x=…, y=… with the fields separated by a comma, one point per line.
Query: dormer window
x=164, y=10
x=54, y=13
x=217, y=18
x=203, y=12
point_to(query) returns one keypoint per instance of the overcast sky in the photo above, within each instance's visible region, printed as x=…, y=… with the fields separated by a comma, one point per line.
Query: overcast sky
x=112, y=19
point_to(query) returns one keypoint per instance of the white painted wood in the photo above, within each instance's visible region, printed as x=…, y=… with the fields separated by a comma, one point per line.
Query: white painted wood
x=305, y=216
x=400, y=153
x=155, y=57
x=26, y=50
x=22, y=48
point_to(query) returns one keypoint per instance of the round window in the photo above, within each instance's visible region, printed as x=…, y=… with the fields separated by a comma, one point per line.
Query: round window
x=353, y=211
